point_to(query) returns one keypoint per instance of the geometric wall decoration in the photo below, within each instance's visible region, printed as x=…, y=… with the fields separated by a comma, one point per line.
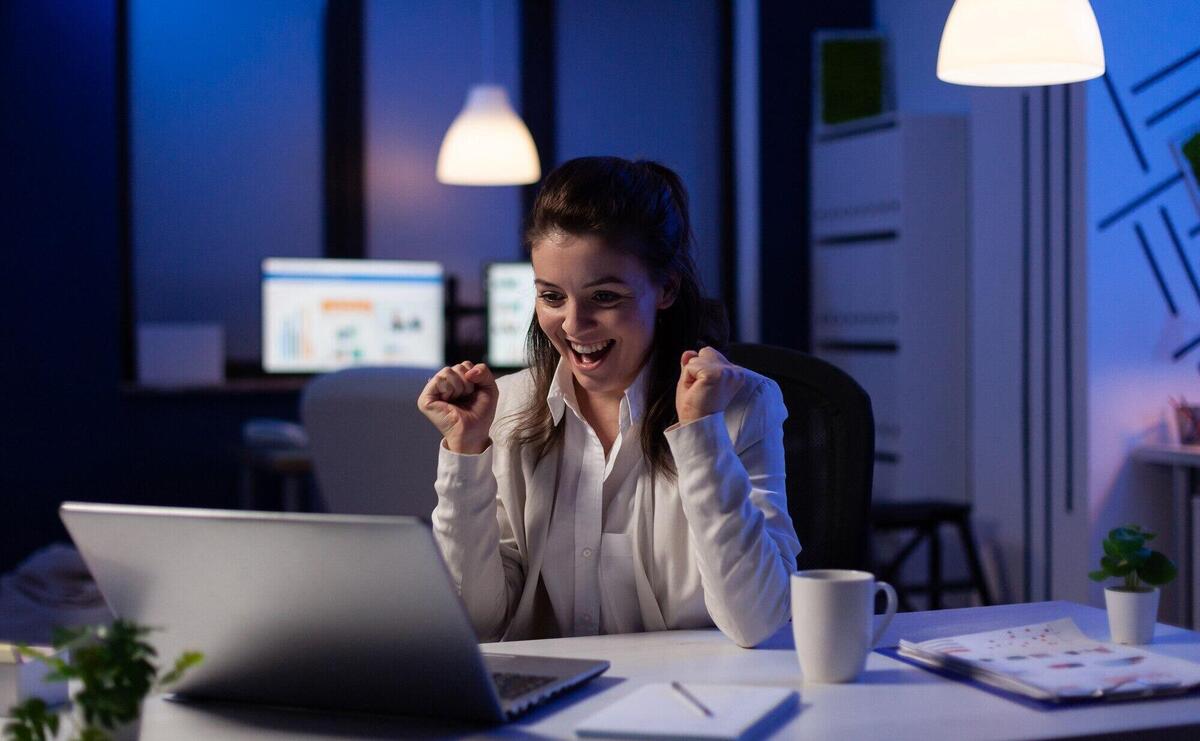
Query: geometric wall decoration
x=1180, y=171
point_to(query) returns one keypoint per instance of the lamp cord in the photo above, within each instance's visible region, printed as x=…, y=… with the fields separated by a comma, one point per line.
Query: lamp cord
x=488, y=39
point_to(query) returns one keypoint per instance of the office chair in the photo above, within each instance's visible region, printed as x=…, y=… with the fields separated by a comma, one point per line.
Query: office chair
x=829, y=446
x=373, y=451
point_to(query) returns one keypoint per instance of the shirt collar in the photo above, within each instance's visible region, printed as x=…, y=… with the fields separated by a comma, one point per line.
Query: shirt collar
x=562, y=395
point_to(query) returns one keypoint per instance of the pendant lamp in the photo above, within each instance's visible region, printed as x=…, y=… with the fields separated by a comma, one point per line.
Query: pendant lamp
x=488, y=143
x=1019, y=43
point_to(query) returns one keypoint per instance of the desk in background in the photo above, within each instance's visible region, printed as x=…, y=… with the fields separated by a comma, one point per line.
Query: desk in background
x=1184, y=462
x=893, y=700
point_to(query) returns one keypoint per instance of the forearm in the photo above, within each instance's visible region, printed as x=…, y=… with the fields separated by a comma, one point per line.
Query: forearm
x=745, y=560
x=467, y=529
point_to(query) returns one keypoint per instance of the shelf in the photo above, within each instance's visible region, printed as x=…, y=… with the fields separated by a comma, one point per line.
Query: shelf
x=231, y=387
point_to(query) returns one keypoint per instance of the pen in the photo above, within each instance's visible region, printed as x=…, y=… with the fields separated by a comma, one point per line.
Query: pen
x=691, y=699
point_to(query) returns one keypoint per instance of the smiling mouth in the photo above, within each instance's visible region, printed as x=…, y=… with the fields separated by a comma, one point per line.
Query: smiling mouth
x=590, y=356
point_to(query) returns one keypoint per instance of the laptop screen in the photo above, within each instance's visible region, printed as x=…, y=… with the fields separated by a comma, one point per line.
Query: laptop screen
x=322, y=315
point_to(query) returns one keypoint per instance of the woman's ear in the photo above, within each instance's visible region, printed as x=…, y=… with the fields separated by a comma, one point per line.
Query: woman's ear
x=668, y=292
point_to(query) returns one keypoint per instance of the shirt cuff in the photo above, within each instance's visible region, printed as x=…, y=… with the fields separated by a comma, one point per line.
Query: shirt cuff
x=699, y=439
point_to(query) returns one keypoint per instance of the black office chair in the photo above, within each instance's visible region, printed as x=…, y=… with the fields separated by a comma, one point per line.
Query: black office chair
x=829, y=444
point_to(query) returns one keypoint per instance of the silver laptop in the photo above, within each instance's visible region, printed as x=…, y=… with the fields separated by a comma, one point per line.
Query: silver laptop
x=340, y=612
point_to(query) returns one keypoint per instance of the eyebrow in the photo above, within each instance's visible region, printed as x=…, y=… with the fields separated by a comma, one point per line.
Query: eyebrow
x=597, y=282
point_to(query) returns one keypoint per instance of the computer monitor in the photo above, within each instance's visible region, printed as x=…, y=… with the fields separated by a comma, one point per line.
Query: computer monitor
x=510, y=300
x=322, y=315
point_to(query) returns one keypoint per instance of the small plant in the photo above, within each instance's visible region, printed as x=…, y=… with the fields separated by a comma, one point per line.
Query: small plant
x=114, y=663
x=1127, y=557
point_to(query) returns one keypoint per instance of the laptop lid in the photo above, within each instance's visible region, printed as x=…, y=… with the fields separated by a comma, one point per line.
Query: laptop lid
x=327, y=611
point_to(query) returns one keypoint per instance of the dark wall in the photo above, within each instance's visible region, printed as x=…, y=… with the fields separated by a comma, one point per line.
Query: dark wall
x=785, y=112
x=66, y=429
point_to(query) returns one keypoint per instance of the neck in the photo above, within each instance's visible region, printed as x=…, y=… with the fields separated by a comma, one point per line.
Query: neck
x=598, y=400
x=602, y=412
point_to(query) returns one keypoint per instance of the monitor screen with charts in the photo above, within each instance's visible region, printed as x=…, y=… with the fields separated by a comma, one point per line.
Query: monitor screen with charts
x=322, y=315
x=510, y=299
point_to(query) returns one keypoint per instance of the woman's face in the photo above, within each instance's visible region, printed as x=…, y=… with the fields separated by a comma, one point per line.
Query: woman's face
x=598, y=306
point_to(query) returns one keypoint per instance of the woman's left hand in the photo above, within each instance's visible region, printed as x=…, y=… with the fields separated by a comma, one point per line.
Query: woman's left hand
x=707, y=383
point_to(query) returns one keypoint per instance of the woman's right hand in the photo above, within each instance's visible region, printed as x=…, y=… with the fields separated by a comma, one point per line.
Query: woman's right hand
x=461, y=402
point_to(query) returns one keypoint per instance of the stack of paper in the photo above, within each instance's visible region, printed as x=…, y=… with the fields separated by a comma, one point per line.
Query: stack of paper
x=659, y=711
x=1056, y=662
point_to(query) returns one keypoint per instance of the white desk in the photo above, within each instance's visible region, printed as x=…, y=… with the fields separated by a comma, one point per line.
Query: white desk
x=1184, y=461
x=893, y=700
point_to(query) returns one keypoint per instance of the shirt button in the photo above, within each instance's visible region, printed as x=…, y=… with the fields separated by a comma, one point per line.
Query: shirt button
x=587, y=552
x=586, y=618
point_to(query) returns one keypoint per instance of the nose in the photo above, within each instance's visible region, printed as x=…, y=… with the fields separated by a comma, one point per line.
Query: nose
x=576, y=318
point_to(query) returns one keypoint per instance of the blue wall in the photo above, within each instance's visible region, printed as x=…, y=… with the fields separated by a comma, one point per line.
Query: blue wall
x=68, y=431
x=641, y=80
x=225, y=102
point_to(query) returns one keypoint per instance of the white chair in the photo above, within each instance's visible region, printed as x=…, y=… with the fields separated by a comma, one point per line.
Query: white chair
x=373, y=452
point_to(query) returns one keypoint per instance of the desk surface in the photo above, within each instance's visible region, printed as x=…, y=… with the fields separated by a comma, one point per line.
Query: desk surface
x=892, y=700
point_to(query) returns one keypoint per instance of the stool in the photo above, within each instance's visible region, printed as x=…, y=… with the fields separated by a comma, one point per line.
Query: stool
x=291, y=466
x=925, y=518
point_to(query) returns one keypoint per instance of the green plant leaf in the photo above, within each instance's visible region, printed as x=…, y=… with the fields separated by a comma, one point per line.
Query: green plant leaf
x=31, y=722
x=186, y=661
x=1110, y=549
x=63, y=637
x=1115, y=567
x=115, y=666
x=1099, y=575
x=1138, y=557
x=1157, y=570
x=1127, y=540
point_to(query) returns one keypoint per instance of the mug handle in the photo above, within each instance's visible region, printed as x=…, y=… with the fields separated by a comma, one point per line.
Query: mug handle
x=889, y=614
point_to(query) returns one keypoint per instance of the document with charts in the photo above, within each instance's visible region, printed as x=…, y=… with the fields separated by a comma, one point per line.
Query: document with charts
x=1056, y=662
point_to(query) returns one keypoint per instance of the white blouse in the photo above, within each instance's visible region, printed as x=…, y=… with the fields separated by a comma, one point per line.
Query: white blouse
x=589, y=566
x=576, y=543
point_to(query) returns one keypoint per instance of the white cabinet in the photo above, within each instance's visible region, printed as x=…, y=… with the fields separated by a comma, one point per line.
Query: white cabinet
x=889, y=286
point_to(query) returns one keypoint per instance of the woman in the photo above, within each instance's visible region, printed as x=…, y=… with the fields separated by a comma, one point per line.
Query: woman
x=625, y=481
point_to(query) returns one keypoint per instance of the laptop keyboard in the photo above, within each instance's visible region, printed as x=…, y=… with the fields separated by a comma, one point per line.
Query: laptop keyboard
x=514, y=685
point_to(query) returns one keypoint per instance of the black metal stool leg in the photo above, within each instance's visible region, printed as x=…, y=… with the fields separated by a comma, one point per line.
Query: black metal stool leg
x=890, y=572
x=968, y=541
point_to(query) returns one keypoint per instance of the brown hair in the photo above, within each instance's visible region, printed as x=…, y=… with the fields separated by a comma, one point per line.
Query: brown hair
x=640, y=208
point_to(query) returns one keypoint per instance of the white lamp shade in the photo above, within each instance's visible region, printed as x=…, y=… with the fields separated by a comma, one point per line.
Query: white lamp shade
x=488, y=143
x=1017, y=43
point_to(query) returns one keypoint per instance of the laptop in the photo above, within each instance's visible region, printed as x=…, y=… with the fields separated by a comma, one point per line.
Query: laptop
x=340, y=612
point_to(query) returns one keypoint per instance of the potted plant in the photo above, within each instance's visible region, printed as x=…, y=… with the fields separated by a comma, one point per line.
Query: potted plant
x=114, y=666
x=1133, y=605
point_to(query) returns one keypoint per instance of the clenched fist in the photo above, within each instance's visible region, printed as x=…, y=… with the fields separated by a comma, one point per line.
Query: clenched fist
x=461, y=402
x=707, y=383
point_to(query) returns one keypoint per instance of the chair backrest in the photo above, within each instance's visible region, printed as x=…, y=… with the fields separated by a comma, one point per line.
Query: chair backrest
x=373, y=451
x=829, y=443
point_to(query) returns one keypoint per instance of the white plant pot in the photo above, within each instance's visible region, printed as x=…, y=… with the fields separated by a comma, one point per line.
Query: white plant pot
x=1131, y=614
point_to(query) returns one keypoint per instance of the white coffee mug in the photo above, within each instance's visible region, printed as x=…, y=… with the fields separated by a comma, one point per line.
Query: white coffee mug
x=832, y=616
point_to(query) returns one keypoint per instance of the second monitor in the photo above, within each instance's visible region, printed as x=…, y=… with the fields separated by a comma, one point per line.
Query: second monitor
x=510, y=302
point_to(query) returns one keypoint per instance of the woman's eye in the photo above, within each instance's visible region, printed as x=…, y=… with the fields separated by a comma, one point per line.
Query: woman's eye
x=606, y=297
x=550, y=297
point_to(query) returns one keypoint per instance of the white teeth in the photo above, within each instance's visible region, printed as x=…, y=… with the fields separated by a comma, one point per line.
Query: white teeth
x=585, y=349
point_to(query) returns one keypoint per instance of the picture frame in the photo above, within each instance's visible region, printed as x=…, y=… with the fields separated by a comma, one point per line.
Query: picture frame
x=853, y=85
